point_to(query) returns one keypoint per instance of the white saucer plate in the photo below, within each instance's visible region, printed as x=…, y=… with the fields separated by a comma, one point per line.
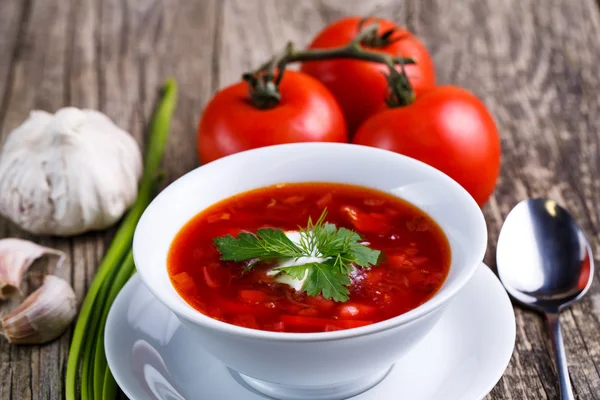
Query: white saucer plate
x=153, y=357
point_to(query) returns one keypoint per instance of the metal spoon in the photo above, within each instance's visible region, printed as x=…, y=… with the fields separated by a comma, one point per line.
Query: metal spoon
x=545, y=262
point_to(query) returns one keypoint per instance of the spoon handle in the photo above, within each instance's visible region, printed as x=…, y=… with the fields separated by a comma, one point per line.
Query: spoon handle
x=566, y=393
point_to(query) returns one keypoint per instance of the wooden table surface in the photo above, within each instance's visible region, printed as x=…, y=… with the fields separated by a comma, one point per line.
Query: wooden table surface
x=533, y=62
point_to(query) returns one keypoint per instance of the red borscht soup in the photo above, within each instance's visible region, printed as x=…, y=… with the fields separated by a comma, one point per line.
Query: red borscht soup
x=375, y=257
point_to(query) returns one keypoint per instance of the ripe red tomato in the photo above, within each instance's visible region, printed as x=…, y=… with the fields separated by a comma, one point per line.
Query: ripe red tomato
x=448, y=128
x=307, y=112
x=360, y=86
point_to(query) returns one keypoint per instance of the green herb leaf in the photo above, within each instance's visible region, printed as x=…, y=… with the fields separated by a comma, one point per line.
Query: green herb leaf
x=339, y=247
x=364, y=256
x=266, y=244
x=295, y=271
x=323, y=278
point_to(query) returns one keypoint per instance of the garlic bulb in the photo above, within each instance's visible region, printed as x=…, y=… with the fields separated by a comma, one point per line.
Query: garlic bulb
x=16, y=255
x=44, y=315
x=68, y=173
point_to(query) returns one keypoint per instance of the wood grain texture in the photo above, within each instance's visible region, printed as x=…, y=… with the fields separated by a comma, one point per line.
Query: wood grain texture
x=533, y=62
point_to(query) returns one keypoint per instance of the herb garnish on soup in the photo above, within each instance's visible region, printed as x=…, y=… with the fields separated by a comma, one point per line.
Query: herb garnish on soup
x=308, y=257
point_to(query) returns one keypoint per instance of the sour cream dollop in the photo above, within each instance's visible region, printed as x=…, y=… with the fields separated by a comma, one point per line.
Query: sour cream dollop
x=280, y=277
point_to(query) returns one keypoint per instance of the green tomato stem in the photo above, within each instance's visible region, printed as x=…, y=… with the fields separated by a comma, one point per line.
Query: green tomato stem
x=264, y=82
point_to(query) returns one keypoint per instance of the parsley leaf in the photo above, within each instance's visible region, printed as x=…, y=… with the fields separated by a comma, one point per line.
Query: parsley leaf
x=322, y=278
x=339, y=248
x=266, y=244
x=296, y=271
x=364, y=256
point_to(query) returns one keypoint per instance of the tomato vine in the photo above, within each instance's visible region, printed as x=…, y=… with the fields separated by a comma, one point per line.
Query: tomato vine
x=263, y=83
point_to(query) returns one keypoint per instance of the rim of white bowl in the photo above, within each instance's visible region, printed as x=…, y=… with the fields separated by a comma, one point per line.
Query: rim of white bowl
x=441, y=297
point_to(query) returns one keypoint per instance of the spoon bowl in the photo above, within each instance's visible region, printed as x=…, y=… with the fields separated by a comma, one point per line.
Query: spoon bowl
x=545, y=262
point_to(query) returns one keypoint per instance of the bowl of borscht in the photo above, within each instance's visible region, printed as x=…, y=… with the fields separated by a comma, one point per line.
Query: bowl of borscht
x=309, y=269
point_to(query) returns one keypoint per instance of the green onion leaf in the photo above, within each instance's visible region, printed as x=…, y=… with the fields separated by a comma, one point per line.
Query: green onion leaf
x=95, y=304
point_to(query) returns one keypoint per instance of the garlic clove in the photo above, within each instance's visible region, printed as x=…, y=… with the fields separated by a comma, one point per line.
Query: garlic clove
x=44, y=315
x=16, y=256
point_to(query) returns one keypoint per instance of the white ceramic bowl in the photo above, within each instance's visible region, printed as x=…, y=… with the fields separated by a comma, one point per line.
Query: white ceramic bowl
x=330, y=365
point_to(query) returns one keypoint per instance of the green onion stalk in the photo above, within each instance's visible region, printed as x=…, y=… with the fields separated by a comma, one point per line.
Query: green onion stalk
x=87, y=345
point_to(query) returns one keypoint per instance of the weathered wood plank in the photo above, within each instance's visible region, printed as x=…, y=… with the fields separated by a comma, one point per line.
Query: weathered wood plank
x=13, y=23
x=13, y=20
